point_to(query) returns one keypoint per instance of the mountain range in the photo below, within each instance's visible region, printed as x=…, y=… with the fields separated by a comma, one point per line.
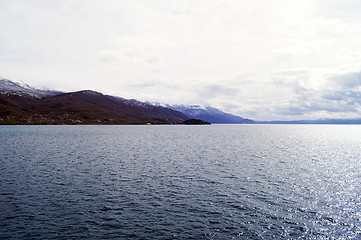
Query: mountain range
x=207, y=113
x=22, y=104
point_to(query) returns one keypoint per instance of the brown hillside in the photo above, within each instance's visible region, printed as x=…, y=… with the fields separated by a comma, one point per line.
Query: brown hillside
x=83, y=107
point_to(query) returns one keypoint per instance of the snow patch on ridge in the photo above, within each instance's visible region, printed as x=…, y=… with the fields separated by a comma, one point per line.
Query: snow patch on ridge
x=18, y=88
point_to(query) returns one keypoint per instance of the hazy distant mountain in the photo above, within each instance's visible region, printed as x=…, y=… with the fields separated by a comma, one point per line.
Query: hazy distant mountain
x=209, y=114
x=25, y=105
x=318, y=121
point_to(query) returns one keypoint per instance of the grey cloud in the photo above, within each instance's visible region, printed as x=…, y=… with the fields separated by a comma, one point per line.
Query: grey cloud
x=298, y=109
x=350, y=97
x=295, y=80
x=340, y=95
x=332, y=107
x=349, y=80
x=230, y=106
x=216, y=90
x=314, y=101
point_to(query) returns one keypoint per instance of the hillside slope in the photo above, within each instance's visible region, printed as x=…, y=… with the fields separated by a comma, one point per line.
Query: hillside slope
x=25, y=105
x=209, y=114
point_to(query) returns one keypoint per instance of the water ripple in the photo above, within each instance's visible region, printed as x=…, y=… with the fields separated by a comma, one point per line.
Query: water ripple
x=180, y=182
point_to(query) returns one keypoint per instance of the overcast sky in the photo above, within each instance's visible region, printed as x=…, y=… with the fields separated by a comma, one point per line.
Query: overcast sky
x=265, y=59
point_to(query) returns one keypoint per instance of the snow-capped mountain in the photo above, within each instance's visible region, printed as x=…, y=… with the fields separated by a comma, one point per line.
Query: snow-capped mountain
x=14, y=88
x=206, y=113
x=22, y=104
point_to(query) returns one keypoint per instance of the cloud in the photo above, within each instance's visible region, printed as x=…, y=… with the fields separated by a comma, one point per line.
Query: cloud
x=348, y=81
x=338, y=94
x=218, y=90
x=310, y=106
x=276, y=59
x=298, y=80
x=108, y=56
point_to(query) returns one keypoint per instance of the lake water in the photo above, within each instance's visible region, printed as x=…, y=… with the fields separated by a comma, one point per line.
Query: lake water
x=180, y=182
